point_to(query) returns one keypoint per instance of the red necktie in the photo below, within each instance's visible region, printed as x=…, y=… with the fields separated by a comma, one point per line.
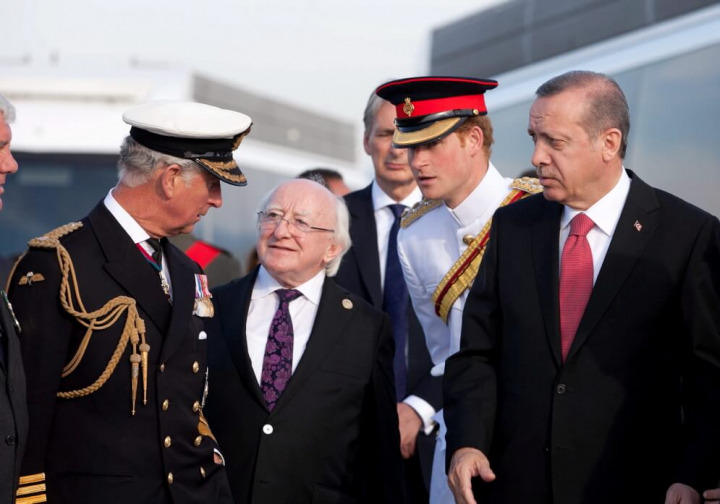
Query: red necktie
x=576, y=279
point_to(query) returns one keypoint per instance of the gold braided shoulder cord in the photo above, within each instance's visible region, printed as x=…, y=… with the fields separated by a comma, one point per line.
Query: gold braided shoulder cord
x=98, y=320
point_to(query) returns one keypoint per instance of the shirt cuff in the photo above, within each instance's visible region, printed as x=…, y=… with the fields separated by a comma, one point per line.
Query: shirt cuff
x=424, y=411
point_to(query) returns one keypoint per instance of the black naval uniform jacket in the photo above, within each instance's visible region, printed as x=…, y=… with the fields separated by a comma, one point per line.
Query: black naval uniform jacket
x=13, y=411
x=332, y=438
x=605, y=425
x=90, y=448
x=360, y=273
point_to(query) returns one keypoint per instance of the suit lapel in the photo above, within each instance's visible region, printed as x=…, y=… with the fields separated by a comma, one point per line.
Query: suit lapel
x=233, y=308
x=330, y=322
x=364, y=238
x=129, y=268
x=625, y=249
x=183, y=290
x=545, y=239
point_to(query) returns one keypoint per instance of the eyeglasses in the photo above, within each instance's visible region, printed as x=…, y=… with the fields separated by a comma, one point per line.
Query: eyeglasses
x=271, y=219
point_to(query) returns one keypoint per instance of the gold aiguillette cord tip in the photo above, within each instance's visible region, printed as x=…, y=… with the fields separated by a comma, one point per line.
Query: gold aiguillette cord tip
x=135, y=360
x=144, y=351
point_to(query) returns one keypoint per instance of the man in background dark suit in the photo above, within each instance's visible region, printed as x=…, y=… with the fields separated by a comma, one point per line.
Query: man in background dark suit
x=303, y=400
x=371, y=269
x=589, y=367
x=13, y=411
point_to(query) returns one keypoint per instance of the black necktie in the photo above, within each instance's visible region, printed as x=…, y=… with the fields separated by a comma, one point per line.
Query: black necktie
x=157, y=250
x=395, y=303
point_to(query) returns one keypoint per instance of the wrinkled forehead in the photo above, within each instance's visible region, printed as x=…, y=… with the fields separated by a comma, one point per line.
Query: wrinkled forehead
x=302, y=199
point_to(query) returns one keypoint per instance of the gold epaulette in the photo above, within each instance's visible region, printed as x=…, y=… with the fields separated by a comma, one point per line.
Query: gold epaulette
x=31, y=489
x=54, y=236
x=529, y=185
x=418, y=210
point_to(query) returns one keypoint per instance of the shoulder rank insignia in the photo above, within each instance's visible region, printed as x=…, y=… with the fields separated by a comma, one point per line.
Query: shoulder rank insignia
x=529, y=185
x=418, y=210
x=48, y=240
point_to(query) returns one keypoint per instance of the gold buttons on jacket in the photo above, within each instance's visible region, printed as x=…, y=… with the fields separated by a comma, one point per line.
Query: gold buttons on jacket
x=202, y=471
x=198, y=441
x=196, y=406
x=467, y=239
x=162, y=367
x=165, y=405
x=196, y=367
x=170, y=478
x=168, y=441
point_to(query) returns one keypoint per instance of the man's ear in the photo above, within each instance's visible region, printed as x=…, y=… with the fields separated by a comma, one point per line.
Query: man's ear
x=168, y=180
x=332, y=252
x=475, y=137
x=611, y=140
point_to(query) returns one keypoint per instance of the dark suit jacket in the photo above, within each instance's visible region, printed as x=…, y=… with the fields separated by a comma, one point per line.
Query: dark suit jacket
x=13, y=411
x=90, y=448
x=360, y=273
x=606, y=425
x=332, y=438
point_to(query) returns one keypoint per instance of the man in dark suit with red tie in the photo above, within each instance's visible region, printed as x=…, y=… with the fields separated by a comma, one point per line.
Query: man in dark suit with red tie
x=303, y=400
x=371, y=269
x=589, y=366
x=112, y=314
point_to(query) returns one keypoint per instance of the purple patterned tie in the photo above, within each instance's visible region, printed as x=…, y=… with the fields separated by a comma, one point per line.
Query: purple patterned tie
x=277, y=363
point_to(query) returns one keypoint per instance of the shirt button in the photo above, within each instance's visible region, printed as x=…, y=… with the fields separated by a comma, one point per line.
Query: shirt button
x=162, y=367
x=170, y=478
x=168, y=441
x=198, y=441
x=165, y=405
x=10, y=440
x=196, y=367
x=268, y=429
x=196, y=406
x=561, y=389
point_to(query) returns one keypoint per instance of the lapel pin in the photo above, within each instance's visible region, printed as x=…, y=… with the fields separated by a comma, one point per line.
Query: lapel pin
x=638, y=226
x=347, y=304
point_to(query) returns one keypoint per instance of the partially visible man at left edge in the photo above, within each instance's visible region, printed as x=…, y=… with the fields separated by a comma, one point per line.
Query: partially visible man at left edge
x=113, y=330
x=13, y=412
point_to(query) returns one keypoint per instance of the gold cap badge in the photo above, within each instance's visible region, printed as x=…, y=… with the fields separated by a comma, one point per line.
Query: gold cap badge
x=408, y=108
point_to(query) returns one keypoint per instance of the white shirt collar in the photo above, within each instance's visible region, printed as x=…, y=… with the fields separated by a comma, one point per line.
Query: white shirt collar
x=130, y=225
x=380, y=199
x=482, y=197
x=265, y=285
x=605, y=213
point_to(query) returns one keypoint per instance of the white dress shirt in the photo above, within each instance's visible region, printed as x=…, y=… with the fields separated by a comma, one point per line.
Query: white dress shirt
x=135, y=231
x=384, y=219
x=605, y=213
x=263, y=305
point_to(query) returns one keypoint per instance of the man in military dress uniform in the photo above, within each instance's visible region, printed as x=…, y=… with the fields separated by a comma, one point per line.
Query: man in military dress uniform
x=443, y=123
x=13, y=412
x=112, y=318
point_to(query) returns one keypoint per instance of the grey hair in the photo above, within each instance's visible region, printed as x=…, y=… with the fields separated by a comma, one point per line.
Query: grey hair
x=371, y=109
x=7, y=110
x=342, y=228
x=607, y=106
x=137, y=164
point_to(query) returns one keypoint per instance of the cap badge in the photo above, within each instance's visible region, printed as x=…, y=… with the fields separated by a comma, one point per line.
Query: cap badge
x=408, y=108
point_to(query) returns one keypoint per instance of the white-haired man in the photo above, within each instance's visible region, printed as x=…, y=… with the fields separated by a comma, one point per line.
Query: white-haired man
x=303, y=399
x=13, y=412
x=117, y=417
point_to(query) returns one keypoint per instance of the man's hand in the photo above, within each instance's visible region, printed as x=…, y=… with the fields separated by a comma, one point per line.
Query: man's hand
x=681, y=494
x=712, y=495
x=410, y=424
x=466, y=464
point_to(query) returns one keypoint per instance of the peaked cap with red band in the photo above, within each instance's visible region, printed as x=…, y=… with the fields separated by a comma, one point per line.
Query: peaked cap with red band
x=430, y=108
